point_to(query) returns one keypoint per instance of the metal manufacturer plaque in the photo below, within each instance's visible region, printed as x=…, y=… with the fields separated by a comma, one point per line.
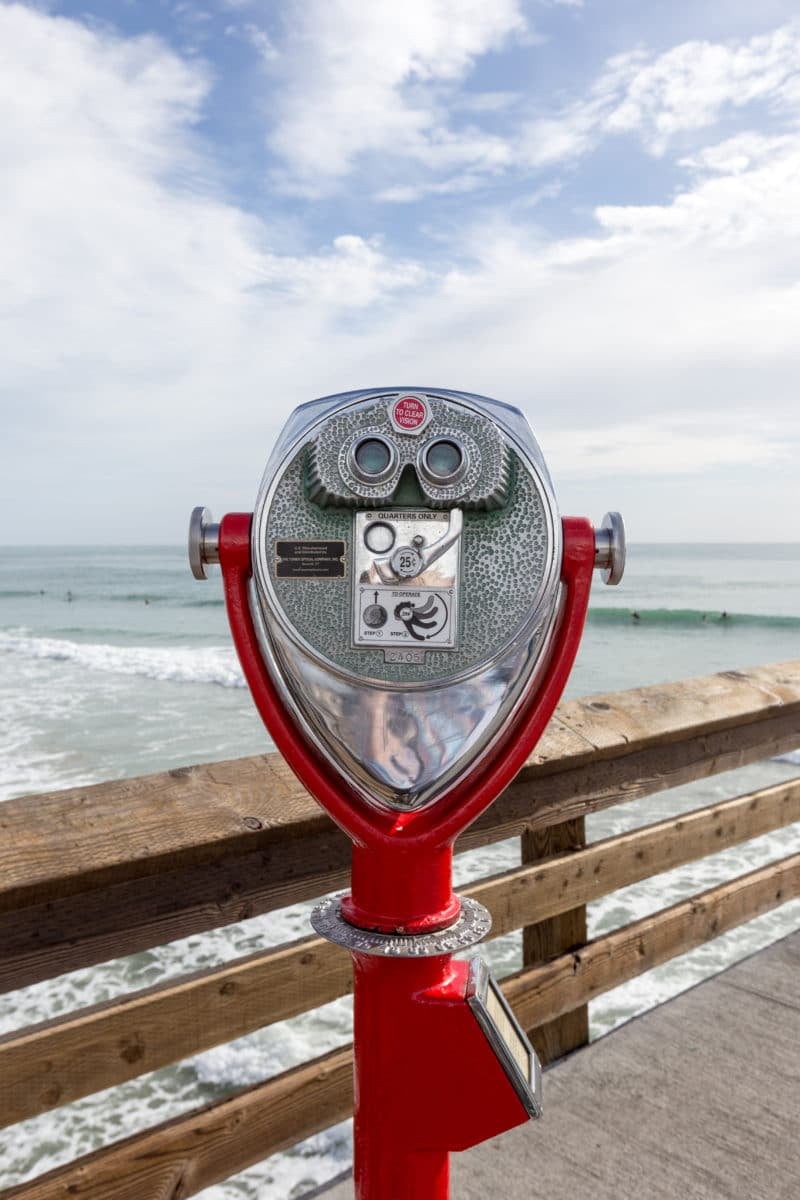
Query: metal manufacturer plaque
x=310, y=560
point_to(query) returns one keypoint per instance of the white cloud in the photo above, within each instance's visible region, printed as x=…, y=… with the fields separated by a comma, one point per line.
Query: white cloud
x=548, y=141
x=407, y=193
x=114, y=242
x=750, y=198
x=153, y=335
x=685, y=89
x=486, y=102
x=692, y=85
x=352, y=274
x=137, y=303
x=739, y=153
x=140, y=94
x=260, y=40
x=373, y=91
x=364, y=79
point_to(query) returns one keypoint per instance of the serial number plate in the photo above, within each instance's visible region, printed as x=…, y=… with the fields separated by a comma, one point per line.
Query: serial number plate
x=401, y=655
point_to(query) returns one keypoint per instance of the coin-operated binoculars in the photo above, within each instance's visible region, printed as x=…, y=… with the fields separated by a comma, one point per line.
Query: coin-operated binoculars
x=407, y=604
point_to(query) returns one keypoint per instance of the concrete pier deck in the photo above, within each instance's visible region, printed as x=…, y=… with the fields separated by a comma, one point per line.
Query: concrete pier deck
x=698, y=1099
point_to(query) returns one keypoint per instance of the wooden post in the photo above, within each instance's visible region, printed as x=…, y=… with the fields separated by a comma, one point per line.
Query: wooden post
x=554, y=936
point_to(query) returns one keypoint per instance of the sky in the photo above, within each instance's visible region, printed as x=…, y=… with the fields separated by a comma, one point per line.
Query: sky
x=213, y=212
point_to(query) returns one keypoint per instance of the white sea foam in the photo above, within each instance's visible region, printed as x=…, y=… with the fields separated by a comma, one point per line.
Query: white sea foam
x=173, y=664
x=792, y=757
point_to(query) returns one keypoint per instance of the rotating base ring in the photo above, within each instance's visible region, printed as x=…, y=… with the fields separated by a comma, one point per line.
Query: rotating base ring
x=472, y=925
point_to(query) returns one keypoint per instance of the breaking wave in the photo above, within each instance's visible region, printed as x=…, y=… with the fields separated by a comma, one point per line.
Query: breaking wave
x=174, y=664
x=689, y=616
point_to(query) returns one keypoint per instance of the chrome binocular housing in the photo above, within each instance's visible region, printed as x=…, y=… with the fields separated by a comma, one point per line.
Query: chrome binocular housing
x=406, y=553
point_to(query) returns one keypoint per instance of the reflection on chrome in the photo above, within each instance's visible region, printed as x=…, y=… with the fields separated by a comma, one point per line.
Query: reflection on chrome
x=403, y=749
x=406, y=690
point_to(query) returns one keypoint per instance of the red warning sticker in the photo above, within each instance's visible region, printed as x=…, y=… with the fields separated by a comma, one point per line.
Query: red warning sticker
x=409, y=414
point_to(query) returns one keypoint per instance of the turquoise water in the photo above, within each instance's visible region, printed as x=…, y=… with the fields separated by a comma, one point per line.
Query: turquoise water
x=115, y=662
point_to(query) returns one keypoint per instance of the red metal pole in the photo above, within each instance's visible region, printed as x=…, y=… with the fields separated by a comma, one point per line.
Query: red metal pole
x=387, y=1164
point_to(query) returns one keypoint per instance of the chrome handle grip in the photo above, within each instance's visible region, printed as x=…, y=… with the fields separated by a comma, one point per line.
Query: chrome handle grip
x=203, y=541
x=609, y=548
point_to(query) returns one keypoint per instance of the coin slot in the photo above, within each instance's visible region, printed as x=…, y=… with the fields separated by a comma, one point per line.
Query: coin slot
x=379, y=537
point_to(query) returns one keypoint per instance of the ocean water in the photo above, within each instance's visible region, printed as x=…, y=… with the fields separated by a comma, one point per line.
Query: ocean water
x=115, y=662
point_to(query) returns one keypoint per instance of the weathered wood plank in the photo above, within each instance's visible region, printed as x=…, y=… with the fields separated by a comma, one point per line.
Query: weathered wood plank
x=516, y=897
x=88, y=837
x=605, y=782
x=181, y=1157
x=45, y=940
x=60, y=1061
x=553, y=936
x=546, y=992
x=63, y=842
x=80, y=929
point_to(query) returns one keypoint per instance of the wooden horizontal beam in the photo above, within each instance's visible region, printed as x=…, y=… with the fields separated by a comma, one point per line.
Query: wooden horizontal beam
x=83, y=929
x=532, y=893
x=604, y=782
x=95, y=873
x=60, y=1061
x=545, y=992
x=183, y=1156
x=110, y=832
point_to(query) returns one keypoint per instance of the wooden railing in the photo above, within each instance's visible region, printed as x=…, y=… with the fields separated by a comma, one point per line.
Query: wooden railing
x=98, y=872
